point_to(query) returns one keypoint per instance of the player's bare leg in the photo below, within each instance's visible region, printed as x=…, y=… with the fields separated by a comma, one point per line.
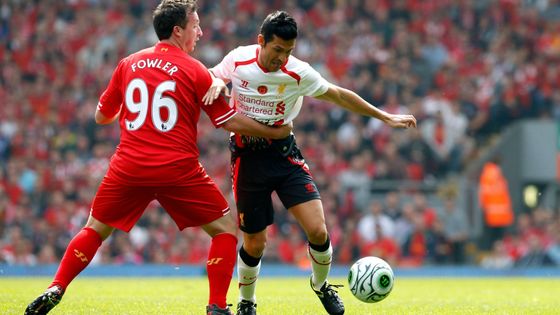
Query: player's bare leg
x=312, y=219
x=248, y=268
x=79, y=253
x=221, y=261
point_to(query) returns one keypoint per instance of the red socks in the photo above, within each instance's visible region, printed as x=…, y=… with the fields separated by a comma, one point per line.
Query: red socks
x=79, y=253
x=221, y=261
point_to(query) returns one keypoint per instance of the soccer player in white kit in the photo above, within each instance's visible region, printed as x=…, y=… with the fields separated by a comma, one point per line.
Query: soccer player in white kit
x=268, y=85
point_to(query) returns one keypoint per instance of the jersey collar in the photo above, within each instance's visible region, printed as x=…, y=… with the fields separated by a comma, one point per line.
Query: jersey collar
x=163, y=47
x=258, y=63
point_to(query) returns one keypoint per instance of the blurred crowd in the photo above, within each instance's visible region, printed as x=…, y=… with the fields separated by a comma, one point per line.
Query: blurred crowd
x=466, y=69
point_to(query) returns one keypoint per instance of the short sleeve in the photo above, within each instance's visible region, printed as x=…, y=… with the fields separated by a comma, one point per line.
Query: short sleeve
x=312, y=83
x=225, y=68
x=111, y=99
x=219, y=111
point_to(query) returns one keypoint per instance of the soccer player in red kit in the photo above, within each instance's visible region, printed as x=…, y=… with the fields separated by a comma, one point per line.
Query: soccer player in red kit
x=156, y=95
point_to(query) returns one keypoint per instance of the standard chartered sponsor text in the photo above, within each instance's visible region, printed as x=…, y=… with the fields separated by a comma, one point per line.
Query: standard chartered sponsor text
x=254, y=109
x=249, y=100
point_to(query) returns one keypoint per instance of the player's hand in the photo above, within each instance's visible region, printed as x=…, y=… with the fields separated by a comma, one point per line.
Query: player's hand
x=401, y=121
x=218, y=86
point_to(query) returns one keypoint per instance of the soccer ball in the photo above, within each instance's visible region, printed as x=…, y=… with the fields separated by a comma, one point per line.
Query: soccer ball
x=370, y=279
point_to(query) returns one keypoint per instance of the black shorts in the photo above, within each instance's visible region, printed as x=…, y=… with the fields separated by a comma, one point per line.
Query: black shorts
x=261, y=167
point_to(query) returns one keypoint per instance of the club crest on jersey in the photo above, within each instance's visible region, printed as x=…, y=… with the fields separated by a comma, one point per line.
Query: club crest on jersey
x=281, y=88
x=262, y=89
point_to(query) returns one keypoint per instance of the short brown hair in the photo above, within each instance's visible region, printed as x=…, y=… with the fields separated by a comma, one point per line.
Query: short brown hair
x=171, y=13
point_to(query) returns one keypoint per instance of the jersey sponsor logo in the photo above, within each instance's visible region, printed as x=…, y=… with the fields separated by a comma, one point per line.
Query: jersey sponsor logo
x=280, y=108
x=214, y=261
x=247, y=100
x=262, y=89
x=248, y=109
x=266, y=112
x=81, y=256
x=244, y=84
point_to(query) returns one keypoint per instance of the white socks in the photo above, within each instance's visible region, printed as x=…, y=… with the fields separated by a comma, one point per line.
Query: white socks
x=247, y=278
x=320, y=264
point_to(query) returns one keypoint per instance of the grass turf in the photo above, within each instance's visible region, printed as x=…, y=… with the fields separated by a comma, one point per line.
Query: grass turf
x=290, y=296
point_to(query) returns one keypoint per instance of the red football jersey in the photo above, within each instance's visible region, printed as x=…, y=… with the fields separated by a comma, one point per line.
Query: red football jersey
x=158, y=92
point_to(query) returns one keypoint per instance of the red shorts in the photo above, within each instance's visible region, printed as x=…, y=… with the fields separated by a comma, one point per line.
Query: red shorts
x=196, y=202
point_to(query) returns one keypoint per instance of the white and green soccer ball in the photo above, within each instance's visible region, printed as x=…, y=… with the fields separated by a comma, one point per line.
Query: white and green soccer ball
x=371, y=279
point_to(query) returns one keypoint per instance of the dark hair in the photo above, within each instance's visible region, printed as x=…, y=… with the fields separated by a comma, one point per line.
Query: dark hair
x=281, y=24
x=171, y=13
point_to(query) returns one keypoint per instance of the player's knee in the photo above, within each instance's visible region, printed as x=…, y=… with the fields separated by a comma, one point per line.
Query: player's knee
x=256, y=250
x=225, y=224
x=230, y=226
x=317, y=235
x=99, y=227
x=255, y=246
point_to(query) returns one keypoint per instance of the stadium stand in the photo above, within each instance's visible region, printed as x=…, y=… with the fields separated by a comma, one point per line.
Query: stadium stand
x=465, y=69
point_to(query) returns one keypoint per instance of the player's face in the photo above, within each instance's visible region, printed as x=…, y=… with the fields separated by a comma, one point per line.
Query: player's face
x=191, y=33
x=274, y=54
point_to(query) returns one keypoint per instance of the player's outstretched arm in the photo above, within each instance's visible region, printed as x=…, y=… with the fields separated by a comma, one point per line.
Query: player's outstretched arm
x=244, y=125
x=353, y=102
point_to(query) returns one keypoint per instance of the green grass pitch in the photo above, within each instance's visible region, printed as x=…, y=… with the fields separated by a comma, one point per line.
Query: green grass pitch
x=290, y=296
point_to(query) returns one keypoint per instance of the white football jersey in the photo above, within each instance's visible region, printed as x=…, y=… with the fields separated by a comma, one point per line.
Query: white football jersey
x=272, y=98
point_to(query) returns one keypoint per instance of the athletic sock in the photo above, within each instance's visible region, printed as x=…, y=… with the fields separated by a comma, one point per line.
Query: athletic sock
x=248, y=268
x=221, y=261
x=78, y=254
x=320, y=257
